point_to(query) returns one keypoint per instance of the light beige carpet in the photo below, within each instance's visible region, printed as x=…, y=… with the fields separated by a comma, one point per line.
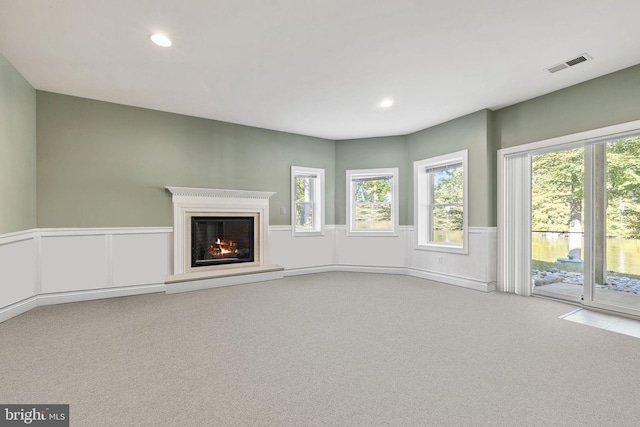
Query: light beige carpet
x=335, y=349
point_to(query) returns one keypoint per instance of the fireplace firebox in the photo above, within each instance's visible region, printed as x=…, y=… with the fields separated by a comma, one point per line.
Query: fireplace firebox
x=217, y=240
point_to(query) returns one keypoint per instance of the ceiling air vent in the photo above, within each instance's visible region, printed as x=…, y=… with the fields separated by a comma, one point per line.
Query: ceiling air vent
x=570, y=63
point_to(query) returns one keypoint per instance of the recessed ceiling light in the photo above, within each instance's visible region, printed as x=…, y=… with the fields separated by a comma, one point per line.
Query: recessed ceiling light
x=386, y=103
x=160, y=40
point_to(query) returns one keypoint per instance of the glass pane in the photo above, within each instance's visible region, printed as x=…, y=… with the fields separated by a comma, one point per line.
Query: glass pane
x=447, y=186
x=557, y=242
x=447, y=224
x=373, y=189
x=304, y=216
x=305, y=187
x=617, y=223
x=373, y=216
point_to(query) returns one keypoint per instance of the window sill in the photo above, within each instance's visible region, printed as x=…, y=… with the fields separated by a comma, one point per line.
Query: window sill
x=372, y=233
x=307, y=233
x=462, y=250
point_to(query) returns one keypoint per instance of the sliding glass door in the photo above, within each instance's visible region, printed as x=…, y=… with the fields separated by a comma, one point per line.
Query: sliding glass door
x=557, y=223
x=585, y=224
x=613, y=199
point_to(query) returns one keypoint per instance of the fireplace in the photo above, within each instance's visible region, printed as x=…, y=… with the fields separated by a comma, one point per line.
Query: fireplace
x=217, y=240
x=220, y=233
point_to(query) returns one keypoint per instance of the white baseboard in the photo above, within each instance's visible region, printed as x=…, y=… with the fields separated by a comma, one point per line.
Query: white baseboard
x=309, y=270
x=93, y=294
x=196, y=285
x=447, y=279
x=18, y=308
x=77, y=296
x=346, y=268
x=371, y=269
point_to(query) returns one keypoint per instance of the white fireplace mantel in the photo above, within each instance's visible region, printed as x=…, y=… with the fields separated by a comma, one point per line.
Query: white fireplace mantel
x=219, y=193
x=188, y=202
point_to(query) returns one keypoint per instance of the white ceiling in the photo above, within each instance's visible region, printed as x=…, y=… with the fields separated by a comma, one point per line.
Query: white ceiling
x=315, y=67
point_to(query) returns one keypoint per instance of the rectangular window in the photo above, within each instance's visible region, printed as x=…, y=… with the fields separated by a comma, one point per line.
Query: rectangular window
x=441, y=202
x=446, y=204
x=307, y=200
x=372, y=205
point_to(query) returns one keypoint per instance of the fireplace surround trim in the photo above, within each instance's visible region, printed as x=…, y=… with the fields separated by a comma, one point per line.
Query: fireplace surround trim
x=188, y=202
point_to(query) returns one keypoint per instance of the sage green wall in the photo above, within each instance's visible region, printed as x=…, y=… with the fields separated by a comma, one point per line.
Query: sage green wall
x=597, y=103
x=17, y=150
x=473, y=133
x=106, y=165
x=492, y=169
x=371, y=153
x=95, y=159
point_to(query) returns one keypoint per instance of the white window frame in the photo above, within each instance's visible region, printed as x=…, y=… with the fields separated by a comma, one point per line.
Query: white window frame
x=318, y=201
x=423, y=188
x=372, y=173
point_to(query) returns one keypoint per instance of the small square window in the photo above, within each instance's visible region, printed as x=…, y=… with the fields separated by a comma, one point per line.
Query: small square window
x=372, y=205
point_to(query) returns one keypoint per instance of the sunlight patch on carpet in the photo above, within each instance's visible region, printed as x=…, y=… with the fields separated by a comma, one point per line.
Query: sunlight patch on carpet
x=621, y=325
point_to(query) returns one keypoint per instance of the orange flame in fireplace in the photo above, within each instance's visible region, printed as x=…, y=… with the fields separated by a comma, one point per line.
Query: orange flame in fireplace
x=223, y=248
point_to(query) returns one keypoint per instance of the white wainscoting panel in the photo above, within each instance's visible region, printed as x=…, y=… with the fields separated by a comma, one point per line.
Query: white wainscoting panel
x=384, y=251
x=17, y=270
x=51, y=266
x=300, y=252
x=476, y=270
x=139, y=259
x=74, y=263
